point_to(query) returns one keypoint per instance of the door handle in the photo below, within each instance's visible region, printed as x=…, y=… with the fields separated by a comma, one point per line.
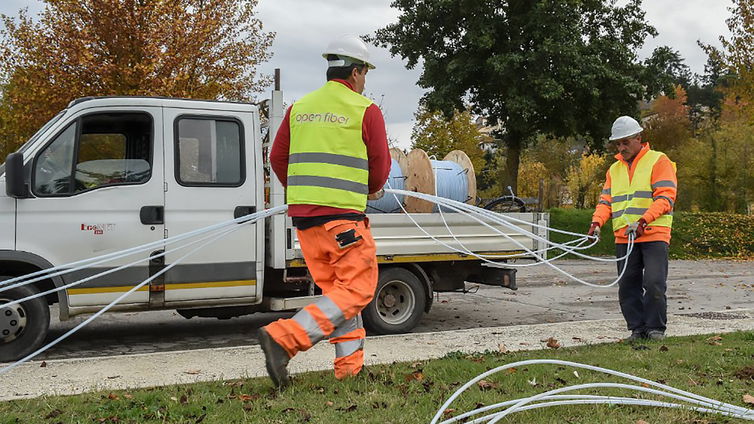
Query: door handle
x=152, y=215
x=243, y=211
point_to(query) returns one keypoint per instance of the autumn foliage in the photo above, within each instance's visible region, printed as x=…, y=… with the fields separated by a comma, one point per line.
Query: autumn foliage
x=178, y=48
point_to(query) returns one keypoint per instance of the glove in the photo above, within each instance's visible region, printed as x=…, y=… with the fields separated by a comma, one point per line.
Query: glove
x=636, y=228
x=377, y=195
x=594, y=230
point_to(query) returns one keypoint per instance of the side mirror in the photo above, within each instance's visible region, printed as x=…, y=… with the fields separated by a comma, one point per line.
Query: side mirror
x=14, y=176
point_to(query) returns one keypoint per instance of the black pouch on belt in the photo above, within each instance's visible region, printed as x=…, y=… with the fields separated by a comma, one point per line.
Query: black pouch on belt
x=347, y=238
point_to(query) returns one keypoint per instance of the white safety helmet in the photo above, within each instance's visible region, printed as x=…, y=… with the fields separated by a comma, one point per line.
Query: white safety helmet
x=349, y=49
x=624, y=127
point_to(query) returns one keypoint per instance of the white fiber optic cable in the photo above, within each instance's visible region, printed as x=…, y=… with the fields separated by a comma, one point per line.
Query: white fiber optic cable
x=110, y=271
x=717, y=406
x=86, y=263
x=457, y=207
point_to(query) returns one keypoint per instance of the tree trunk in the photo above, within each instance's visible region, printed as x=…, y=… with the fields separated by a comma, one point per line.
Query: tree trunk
x=512, y=160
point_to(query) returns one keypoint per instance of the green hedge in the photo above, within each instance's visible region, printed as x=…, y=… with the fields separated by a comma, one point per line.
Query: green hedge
x=696, y=235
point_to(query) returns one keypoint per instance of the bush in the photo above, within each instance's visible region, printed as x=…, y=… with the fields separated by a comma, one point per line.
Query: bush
x=696, y=235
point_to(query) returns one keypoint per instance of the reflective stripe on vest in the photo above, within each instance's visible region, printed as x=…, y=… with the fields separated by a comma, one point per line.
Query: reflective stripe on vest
x=631, y=199
x=328, y=164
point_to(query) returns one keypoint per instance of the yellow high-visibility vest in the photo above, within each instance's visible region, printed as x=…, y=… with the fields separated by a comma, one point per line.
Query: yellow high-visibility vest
x=328, y=163
x=630, y=199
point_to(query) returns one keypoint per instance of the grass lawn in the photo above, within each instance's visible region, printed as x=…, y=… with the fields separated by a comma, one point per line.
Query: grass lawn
x=719, y=368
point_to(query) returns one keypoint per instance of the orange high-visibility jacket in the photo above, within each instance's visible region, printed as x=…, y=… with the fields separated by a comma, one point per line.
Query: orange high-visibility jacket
x=664, y=196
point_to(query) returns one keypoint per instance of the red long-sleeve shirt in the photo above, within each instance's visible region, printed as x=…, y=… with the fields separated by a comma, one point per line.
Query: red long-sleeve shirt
x=374, y=135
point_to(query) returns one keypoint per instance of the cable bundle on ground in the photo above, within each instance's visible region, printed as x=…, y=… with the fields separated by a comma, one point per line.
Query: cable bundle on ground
x=551, y=398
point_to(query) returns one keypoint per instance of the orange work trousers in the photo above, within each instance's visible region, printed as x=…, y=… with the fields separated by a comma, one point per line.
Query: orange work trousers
x=347, y=276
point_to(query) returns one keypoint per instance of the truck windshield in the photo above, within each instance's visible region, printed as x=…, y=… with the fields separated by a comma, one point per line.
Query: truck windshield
x=36, y=135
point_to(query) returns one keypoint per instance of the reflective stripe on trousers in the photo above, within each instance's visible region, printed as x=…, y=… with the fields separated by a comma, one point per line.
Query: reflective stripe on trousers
x=349, y=337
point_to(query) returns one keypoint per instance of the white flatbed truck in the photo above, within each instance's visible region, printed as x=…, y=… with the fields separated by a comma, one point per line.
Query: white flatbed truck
x=111, y=173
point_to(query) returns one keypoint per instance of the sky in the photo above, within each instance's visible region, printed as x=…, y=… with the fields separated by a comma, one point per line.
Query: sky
x=304, y=28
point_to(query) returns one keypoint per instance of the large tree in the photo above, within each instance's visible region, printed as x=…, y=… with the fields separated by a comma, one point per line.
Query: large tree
x=179, y=48
x=737, y=54
x=438, y=135
x=556, y=67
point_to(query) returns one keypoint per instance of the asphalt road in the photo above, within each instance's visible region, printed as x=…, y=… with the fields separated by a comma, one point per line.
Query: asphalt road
x=544, y=296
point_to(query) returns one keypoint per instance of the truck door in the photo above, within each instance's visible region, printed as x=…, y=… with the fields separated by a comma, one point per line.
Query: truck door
x=211, y=176
x=92, y=183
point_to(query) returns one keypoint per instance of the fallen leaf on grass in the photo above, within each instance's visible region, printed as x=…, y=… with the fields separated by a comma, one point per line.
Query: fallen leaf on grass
x=328, y=403
x=448, y=412
x=641, y=422
x=553, y=343
x=414, y=376
x=576, y=373
x=501, y=348
x=54, y=413
x=486, y=385
x=112, y=396
x=746, y=373
x=247, y=398
x=663, y=348
x=717, y=338
x=714, y=343
x=128, y=396
x=174, y=399
x=183, y=399
x=749, y=399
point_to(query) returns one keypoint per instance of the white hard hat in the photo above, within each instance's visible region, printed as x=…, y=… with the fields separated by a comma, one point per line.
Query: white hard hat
x=348, y=47
x=625, y=126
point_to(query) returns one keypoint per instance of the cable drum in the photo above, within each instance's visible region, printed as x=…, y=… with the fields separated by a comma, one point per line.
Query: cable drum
x=451, y=181
x=455, y=178
x=390, y=203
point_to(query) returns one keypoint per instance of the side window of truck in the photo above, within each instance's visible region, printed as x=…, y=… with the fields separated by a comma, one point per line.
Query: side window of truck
x=209, y=152
x=96, y=150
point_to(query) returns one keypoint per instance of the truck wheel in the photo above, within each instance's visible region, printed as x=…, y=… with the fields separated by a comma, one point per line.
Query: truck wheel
x=398, y=303
x=23, y=327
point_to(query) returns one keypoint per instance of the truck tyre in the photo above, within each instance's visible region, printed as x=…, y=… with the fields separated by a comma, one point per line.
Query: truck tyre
x=398, y=303
x=23, y=327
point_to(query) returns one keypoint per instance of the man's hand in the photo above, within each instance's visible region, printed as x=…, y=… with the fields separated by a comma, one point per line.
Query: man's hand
x=594, y=230
x=637, y=228
x=376, y=195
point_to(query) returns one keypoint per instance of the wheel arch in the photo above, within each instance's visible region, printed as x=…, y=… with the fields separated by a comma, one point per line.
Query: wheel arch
x=16, y=263
x=422, y=275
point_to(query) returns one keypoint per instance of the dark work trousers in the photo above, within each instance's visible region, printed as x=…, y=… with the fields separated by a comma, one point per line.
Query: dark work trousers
x=641, y=290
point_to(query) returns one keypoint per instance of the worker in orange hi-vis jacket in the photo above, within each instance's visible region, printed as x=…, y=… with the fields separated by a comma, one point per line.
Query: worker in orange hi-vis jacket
x=639, y=195
x=331, y=154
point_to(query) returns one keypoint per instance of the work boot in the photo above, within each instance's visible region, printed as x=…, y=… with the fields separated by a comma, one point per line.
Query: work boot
x=636, y=335
x=656, y=335
x=276, y=359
